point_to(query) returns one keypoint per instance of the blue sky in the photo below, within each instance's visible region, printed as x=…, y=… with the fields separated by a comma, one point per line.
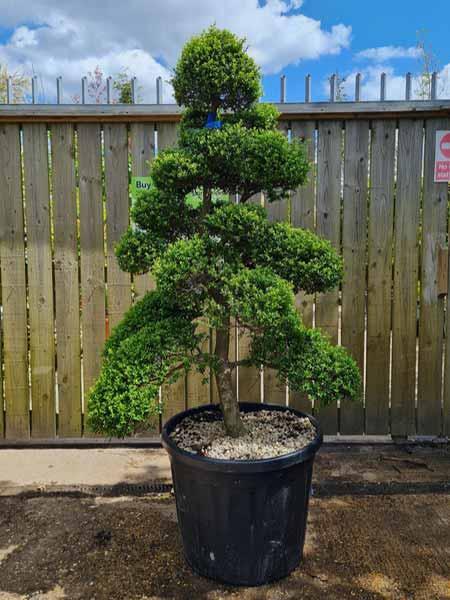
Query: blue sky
x=70, y=38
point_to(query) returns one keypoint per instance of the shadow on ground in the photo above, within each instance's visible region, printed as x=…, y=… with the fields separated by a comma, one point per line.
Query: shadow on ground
x=364, y=547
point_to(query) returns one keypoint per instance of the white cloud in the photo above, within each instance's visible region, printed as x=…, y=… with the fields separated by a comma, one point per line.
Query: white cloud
x=71, y=37
x=384, y=53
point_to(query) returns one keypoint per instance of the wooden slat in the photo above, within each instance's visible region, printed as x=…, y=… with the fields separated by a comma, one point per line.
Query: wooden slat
x=174, y=397
x=117, y=218
x=431, y=321
x=354, y=240
x=381, y=214
x=302, y=215
x=249, y=378
x=406, y=271
x=446, y=399
x=92, y=260
x=40, y=280
x=67, y=296
x=274, y=391
x=328, y=226
x=142, y=142
x=14, y=296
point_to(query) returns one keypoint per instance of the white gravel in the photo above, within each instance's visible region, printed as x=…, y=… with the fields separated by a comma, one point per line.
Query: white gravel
x=268, y=434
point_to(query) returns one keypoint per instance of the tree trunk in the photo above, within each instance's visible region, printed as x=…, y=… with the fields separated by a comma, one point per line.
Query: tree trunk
x=228, y=401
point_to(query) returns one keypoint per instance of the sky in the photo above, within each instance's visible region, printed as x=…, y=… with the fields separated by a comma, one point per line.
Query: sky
x=68, y=38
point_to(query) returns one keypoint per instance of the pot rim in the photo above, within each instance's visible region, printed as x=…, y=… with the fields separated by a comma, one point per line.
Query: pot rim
x=240, y=465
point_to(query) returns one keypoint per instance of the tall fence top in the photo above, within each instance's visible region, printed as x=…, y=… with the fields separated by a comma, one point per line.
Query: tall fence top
x=52, y=113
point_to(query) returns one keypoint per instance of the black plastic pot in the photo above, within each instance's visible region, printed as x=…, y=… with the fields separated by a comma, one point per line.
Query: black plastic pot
x=242, y=522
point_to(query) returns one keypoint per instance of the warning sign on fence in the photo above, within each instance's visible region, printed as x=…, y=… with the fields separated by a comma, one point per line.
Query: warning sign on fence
x=442, y=160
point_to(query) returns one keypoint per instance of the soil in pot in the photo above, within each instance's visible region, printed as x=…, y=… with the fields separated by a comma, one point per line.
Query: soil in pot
x=269, y=434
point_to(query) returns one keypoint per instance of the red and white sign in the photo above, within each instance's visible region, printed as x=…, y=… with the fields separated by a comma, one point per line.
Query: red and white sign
x=442, y=160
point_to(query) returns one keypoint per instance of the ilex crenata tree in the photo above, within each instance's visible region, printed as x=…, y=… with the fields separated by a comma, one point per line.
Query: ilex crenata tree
x=218, y=262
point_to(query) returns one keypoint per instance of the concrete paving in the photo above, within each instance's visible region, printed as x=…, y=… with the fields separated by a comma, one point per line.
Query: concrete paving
x=24, y=470
x=348, y=467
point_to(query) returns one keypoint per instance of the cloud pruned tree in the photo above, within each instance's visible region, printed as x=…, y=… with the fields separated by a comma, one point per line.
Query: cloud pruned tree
x=216, y=261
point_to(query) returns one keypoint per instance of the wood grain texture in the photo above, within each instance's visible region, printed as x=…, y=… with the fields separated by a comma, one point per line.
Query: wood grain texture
x=142, y=146
x=14, y=293
x=406, y=275
x=67, y=294
x=303, y=202
x=328, y=226
x=175, y=396
x=431, y=320
x=354, y=240
x=381, y=213
x=92, y=257
x=117, y=218
x=40, y=280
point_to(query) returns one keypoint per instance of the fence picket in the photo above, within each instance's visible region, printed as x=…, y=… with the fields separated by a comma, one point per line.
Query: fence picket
x=381, y=212
x=142, y=143
x=302, y=215
x=117, y=217
x=174, y=396
x=67, y=295
x=328, y=226
x=406, y=272
x=354, y=240
x=14, y=293
x=92, y=257
x=274, y=390
x=431, y=320
x=40, y=284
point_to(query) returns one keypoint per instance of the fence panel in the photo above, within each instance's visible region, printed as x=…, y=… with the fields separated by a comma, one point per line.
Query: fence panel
x=371, y=191
x=303, y=202
x=275, y=391
x=66, y=267
x=381, y=213
x=328, y=225
x=354, y=240
x=431, y=324
x=406, y=277
x=92, y=256
x=40, y=284
x=14, y=293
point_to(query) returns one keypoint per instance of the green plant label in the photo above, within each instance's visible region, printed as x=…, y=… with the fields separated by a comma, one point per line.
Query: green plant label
x=140, y=184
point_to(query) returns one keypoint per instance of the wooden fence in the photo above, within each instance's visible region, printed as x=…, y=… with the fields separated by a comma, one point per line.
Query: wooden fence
x=64, y=202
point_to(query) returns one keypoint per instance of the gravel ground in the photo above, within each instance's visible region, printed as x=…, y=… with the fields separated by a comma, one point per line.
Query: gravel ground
x=269, y=434
x=363, y=548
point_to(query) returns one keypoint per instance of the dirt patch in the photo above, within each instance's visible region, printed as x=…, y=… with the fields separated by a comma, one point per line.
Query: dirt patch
x=268, y=434
x=365, y=547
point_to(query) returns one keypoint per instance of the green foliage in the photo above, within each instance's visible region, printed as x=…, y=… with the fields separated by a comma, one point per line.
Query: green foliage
x=214, y=71
x=213, y=259
x=154, y=339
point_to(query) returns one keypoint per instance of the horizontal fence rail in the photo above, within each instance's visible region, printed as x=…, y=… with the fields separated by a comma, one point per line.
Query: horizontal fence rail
x=64, y=203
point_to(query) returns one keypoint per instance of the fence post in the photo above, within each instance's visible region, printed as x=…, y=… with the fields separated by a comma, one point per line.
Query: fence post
x=433, y=85
x=33, y=89
x=108, y=89
x=9, y=96
x=383, y=87
x=159, y=90
x=283, y=89
x=408, y=86
x=58, y=90
x=83, y=90
x=133, y=90
x=333, y=88
x=358, y=87
x=308, y=88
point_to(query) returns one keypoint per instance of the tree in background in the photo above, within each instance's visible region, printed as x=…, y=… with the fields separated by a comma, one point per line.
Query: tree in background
x=20, y=85
x=216, y=262
x=96, y=87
